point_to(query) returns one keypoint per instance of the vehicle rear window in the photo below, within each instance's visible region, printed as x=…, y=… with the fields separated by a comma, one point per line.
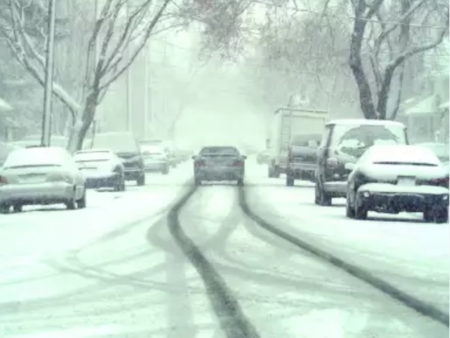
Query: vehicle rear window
x=354, y=140
x=219, y=151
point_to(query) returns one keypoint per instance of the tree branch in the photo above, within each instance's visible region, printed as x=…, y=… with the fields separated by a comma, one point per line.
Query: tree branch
x=136, y=52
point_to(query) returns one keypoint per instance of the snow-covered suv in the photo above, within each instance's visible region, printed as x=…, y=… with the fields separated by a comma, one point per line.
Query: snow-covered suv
x=344, y=141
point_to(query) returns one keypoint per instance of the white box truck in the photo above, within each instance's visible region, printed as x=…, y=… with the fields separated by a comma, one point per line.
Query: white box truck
x=286, y=123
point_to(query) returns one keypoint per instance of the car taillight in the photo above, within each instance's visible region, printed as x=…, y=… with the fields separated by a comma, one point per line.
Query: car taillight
x=3, y=180
x=237, y=163
x=332, y=162
x=200, y=163
x=443, y=182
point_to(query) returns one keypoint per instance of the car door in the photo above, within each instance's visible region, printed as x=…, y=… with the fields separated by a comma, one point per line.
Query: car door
x=322, y=153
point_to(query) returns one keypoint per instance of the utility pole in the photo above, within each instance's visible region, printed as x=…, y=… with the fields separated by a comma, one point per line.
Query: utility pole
x=146, y=89
x=129, y=89
x=49, y=63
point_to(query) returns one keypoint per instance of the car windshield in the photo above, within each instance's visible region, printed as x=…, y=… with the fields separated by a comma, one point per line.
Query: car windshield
x=219, y=151
x=118, y=142
x=355, y=140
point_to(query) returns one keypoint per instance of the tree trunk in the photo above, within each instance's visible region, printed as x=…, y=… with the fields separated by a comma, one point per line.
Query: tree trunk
x=82, y=125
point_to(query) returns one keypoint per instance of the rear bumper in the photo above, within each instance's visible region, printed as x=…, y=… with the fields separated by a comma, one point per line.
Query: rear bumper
x=388, y=197
x=297, y=170
x=29, y=194
x=132, y=174
x=109, y=181
x=231, y=174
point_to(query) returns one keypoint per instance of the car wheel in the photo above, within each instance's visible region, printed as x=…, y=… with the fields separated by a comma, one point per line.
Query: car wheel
x=81, y=203
x=17, y=207
x=289, y=181
x=360, y=211
x=349, y=210
x=4, y=209
x=436, y=215
x=197, y=182
x=240, y=182
x=123, y=186
x=321, y=197
x=141, y=180
x=165, y=171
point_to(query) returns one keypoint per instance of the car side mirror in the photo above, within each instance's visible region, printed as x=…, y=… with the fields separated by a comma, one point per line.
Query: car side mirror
x=349, y=166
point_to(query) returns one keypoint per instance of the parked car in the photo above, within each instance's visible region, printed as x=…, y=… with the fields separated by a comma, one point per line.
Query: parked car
x=219, y=164
x=125, y=146
x=155, y=159
x=344, y=141
x=5, y=150
x=101, y=168
x=397, y=178
x=40, y=176
x=302, y=158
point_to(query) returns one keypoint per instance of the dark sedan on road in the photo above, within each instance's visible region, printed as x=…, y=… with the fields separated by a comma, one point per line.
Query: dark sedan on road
x=219, y=164
x=397, y=178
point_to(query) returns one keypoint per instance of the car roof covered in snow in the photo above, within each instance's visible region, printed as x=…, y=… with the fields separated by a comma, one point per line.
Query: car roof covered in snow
x=95, y=150
x=400, y=154
x=365, y=122
x=38, y=155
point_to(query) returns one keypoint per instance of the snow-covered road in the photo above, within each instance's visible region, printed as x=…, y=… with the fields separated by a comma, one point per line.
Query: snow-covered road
x=114, y=269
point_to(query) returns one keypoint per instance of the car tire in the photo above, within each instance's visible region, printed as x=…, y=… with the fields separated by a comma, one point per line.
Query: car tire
x=240, y=182
x=165, y=171
x=81, y=203
x=4, y=209
x=197, y=182
x=349, y=210
x=290, y=181
x=71, y=204
x=17, y=208
x=141, y=180
x=321, y=197
x=360, y=211
x=436, y=215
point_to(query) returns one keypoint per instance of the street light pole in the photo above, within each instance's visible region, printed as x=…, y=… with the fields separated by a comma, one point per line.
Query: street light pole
x=48, y=91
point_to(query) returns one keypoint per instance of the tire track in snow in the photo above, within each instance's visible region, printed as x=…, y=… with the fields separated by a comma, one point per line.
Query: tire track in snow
x=406, y=299
x=228, y=311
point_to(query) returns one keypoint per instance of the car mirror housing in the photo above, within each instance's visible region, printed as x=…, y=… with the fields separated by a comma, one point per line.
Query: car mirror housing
x=349, y=166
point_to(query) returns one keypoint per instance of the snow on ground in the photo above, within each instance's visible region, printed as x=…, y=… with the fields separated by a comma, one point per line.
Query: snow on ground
x=283, y=292
x=40, y=233
x=113, y=269
x=402, y=249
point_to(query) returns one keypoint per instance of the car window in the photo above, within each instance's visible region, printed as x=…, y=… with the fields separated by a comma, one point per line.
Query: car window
x=219, y=151
x=354, y=140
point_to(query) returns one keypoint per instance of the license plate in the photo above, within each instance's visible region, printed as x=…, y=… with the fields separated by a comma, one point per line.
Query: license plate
x=406, y=180
x=32, y=179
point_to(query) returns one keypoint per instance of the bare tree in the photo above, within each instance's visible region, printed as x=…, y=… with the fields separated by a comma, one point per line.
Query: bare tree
x=120, y=31
x=389, y=34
